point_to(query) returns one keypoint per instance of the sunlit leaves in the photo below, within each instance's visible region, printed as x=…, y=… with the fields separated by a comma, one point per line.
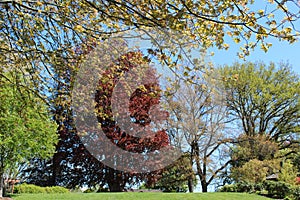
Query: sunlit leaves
x=265, y=99
x=26, y=128
x=42, y=27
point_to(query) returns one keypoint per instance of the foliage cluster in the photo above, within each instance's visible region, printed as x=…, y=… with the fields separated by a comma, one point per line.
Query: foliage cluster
x=33, y=189
x=271, y=189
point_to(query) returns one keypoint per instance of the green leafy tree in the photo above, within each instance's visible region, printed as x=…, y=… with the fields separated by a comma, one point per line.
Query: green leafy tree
x=264, y=100
x=26, y=128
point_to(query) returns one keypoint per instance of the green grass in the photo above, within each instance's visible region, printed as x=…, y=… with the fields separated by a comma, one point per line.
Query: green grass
x=140, y=196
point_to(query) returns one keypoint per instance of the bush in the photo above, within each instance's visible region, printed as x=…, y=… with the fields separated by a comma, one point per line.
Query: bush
x=239, y=187
x=56, y=189
x=277, y=189
x=295, y=193
x=245, y=187
x=228, y=188
x=33, y=189
x=270, y=188
x=28, y=188
x=258, y=187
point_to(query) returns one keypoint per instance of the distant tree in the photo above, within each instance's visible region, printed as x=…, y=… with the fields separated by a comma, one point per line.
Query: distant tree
x=264, y=100
x=26, y=128
x=198, y=118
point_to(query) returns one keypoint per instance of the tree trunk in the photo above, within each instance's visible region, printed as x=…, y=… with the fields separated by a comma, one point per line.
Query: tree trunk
x=191, y=185
x=204, y=186
x=190, y=180
x=115, y=187
x=1, y=185
x=56, y=164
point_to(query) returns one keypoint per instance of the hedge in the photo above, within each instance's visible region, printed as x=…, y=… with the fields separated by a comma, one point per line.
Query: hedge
x=33, y=189
x=273, y=189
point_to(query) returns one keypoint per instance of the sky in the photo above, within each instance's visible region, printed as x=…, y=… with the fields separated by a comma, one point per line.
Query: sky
x=280, y=51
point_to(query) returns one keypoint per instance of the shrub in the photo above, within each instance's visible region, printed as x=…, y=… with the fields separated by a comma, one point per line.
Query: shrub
x=239, y=187
x=295, y=193
x=56, y=189
x=288, y=173
x=228, y=188
x=277, y=189
x=245, y=187
x=28, y=188
x=33, y=189
x=270, y=188
x=258, y=187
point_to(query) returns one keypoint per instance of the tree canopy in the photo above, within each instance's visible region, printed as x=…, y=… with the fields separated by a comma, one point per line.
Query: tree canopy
x=264, y=99
x=263, y=103
x=41, y=31
x=26, y=128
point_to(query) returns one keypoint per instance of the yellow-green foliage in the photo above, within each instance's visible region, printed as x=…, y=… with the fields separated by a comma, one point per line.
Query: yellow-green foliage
x=255, y=171
x=33, y=189
x=288, y=173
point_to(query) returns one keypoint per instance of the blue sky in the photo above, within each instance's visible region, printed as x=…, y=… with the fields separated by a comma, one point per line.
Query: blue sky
x=280, y=52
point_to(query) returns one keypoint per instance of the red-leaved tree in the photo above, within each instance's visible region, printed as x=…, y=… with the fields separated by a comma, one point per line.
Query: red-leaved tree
x=142, y=111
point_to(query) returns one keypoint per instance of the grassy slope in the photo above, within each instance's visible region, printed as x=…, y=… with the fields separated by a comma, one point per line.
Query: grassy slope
x=140, y=196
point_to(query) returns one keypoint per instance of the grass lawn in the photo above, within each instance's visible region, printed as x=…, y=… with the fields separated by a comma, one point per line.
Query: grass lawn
x=142, y=196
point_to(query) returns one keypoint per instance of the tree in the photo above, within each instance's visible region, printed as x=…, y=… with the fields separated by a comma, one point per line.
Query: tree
x=264, y=100
x=264, y=103
x=288, y=173
x=73, y=165
x=26, y=128
x=113, y=143
x=253, y=147
x=142, y=99
x=198, y=119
